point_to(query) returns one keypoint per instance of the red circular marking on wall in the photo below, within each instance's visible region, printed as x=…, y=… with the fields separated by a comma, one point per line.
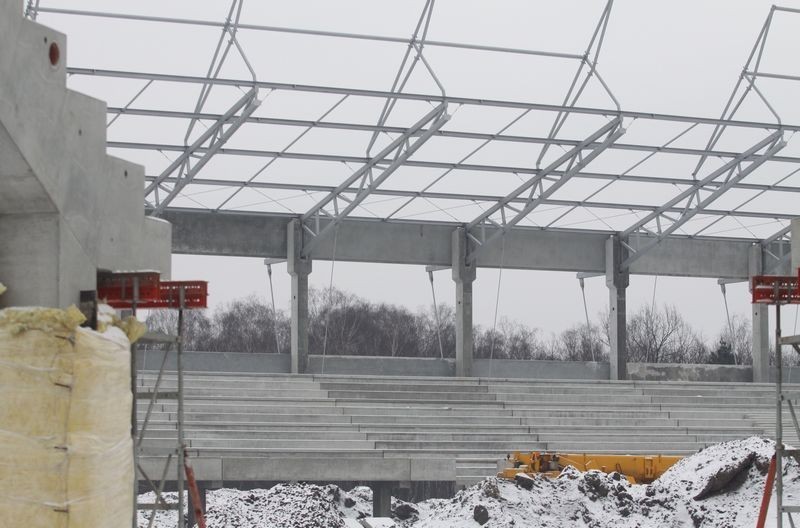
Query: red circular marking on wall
x=54, y=54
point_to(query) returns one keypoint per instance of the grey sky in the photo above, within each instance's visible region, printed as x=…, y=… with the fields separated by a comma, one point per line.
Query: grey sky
x=680, y=57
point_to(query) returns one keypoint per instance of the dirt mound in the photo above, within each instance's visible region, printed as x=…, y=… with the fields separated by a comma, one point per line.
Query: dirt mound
x=719, y=487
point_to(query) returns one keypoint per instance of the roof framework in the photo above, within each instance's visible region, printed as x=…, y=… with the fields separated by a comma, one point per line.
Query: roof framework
x=235, y=139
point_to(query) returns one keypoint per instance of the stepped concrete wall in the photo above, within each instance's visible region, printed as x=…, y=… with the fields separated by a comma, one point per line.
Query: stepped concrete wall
x=500, y=368
x=66, y=207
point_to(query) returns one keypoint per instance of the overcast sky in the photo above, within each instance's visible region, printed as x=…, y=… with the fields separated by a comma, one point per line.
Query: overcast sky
x=680, y=57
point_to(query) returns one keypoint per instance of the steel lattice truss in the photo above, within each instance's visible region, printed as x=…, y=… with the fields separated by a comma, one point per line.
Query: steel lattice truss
x=236, y=139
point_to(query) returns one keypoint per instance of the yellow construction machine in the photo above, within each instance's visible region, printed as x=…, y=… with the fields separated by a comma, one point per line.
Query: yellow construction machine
x=636, y=468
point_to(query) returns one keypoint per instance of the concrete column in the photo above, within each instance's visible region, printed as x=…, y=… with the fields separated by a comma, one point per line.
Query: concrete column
x=381, y=499
x=761, y=343
x=760, y=331
x=299, y=268
x=617, y=281
x=464, y=276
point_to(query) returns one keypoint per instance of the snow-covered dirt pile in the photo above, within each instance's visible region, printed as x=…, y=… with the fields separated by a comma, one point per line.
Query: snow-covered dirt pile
x=719, y=487
x=282, y=506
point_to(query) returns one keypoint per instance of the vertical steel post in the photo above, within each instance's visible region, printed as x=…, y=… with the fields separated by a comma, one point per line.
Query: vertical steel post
x=135, y=520
x=181, y=447
x=778, y=416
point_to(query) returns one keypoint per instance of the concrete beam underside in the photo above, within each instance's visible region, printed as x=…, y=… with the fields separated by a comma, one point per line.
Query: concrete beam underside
x=426, y=243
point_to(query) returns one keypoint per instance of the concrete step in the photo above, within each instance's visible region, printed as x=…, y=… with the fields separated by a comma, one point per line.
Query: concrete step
x=563, y=389
x=259, y=443
x=604, y=439
x=223, y=408
x=256, y=417
x=411, y=419
x=425, y=411
x=713, y=400
x=255, y=434
x=610, y=421
x=172, y=384
x=410, y=395
x=574, y=398
x=245, y=393
x=395, y=387
x=521, y=438
x=584, y=413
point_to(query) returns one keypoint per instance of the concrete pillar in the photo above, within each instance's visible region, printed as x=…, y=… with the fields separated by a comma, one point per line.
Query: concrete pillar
x=760, y=330
x=760, y=343
x=381, y=499
x=299, y=268
x=617, y=281
x=464, y=276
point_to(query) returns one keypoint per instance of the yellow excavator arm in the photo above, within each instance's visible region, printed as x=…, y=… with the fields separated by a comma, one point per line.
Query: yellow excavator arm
x=636, y=468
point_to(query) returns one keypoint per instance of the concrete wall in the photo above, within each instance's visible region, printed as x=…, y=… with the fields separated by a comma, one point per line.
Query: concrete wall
x=216, y=362
x=685, y=372
x=500, y=368
x=66, y=207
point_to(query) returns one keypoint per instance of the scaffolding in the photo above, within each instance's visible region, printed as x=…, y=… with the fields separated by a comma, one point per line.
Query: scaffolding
x=144, y=290
x=779, y=290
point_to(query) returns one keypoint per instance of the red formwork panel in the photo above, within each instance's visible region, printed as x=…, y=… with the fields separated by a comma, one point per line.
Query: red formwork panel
x=773, y=289
x=117, y=290
x=195, y=294
x=118, y=287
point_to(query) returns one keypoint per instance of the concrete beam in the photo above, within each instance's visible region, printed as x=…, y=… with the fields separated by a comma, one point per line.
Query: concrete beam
x=428, y=243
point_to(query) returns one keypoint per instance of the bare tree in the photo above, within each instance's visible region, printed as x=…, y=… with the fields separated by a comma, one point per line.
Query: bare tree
x=739, y=336
x=583, y=343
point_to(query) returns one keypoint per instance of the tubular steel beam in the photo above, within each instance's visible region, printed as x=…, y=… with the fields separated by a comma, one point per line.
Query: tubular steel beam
x=402, y=149
x=499, y=103
x=314, y=32
x=478, y=136
x=239, y=184
x=773, y=143
x=214, y=137
x=612, y=130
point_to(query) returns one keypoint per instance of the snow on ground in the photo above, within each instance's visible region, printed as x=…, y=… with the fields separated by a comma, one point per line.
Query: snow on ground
x=719, y=487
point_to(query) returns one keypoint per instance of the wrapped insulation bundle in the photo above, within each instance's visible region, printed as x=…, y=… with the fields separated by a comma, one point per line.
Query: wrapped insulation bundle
x=66, y=455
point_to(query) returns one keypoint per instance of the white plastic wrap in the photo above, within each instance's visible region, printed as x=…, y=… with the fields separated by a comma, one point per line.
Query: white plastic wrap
x=65, y=447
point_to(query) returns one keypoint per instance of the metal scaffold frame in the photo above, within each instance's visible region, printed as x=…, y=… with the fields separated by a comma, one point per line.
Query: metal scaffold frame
x=779, y=291
x=133, y=291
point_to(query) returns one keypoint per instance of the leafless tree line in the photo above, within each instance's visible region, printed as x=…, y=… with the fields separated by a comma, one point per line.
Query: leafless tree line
x=341, y=323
